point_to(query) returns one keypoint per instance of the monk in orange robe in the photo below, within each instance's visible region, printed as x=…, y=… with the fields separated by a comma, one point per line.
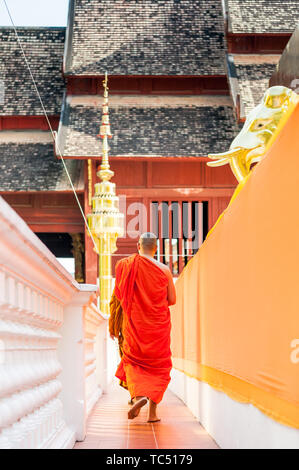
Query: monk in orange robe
x=145, y=289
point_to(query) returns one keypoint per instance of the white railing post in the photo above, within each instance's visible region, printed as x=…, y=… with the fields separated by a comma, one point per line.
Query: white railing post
x=71, y=352
x=96, y=352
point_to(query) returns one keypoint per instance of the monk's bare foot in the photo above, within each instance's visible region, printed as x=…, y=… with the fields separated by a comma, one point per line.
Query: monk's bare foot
x=153, y=419
x=152, y=412
x=135, y=409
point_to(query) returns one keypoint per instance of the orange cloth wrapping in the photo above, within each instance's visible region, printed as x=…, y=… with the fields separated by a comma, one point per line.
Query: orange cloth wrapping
x=116, y=321
x=116, y=326
x=236, y=321
x=141, y=287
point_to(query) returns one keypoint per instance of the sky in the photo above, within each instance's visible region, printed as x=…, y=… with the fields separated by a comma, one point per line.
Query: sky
x=34, y=12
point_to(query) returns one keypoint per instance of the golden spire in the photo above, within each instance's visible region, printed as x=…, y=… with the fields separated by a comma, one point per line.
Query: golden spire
x=105, y=221
x=105, y=173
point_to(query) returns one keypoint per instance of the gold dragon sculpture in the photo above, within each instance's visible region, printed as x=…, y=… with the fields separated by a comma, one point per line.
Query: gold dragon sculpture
x=260, y=129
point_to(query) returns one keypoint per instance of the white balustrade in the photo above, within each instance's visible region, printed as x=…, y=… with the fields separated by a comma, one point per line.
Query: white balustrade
x=38, y=299
x=95, y=328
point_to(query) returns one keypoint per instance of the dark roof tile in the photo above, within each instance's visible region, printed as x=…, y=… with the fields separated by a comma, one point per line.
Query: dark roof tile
x=249, y=77
x=44, y=51
x=262, y=16
x=137, y=131
x=33, y=167
x=151, y=37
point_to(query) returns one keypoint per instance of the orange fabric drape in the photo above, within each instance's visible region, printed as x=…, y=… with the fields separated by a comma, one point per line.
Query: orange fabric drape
x=141, y=287
x=116, y=326
x=116, y=320
x=236, y=317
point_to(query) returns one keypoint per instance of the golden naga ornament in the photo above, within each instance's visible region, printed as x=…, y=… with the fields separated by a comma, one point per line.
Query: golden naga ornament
x=260, y=129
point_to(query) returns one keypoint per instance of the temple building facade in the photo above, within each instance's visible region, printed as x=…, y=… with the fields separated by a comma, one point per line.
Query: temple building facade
x=182, y=77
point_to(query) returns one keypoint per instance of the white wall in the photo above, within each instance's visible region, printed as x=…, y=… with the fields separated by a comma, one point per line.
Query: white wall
x=233, y=425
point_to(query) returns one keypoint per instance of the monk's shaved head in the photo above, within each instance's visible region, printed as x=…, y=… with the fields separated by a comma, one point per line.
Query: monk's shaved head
x=148, y=242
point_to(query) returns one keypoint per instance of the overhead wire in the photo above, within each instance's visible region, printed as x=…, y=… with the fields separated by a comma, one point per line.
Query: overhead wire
x=50, y=126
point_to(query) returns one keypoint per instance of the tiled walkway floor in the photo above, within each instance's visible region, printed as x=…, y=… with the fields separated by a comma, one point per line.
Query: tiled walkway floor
x=109, y=428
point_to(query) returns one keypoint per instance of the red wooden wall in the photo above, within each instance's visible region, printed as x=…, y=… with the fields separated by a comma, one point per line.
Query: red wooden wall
x=136, y=182
x=167, y=85
x=257, y=43
x=48, y=211
x=28, y=122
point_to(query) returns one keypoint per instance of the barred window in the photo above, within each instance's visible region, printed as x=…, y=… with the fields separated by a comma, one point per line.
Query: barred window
x=181, y=227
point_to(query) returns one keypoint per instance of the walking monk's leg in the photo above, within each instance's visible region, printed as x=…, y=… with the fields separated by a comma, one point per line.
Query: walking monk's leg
x=139, y=402
x=152, y=412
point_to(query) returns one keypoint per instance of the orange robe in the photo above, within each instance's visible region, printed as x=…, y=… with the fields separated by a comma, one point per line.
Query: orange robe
x=141, y=286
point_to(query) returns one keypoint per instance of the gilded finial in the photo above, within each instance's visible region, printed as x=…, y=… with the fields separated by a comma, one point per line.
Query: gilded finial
x=105, y=173
x=105, y=82
x=105, y=221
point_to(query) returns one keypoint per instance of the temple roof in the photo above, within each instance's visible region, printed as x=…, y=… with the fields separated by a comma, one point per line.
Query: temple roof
x=44, y=50
x=249, y=77
x=287, y=71
x=164, y=128
x=263, y=16
x=33, y=167
x=152, y=37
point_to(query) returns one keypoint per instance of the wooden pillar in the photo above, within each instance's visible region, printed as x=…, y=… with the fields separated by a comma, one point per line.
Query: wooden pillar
x=216, y=206
x=189, y=239
x=180, y=236
x=91, y=258
x=161, y=256
x=170, y=217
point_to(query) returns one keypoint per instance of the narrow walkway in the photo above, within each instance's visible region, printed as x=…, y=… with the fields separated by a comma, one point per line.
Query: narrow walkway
x=109, y=428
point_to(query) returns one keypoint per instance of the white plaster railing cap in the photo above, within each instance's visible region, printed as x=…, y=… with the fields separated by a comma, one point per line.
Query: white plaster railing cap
x=23, y=252
x=96, y=312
